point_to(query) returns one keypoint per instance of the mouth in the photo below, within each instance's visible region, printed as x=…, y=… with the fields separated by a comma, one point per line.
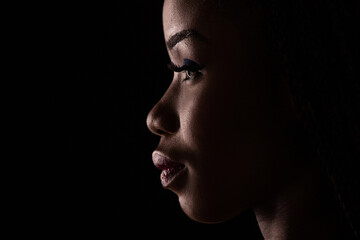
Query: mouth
x=170, y=170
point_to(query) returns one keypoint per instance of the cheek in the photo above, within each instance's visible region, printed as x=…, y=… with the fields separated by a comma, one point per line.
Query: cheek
x=223, y=122
x=220, y=113
x=223, y=130
x=213, y=127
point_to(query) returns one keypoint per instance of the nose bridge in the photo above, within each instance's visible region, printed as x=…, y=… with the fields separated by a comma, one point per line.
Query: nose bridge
x=163, y=117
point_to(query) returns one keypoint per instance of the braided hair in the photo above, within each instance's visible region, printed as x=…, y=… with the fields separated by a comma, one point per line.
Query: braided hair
x=319, y=45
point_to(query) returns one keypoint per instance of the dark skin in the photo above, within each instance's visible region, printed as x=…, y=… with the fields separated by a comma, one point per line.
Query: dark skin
x=232, y=128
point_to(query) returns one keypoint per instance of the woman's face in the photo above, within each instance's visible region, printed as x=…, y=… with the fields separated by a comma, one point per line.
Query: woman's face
x=223, y=132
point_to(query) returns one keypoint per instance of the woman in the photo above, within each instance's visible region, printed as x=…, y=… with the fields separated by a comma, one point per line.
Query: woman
x=251, y=118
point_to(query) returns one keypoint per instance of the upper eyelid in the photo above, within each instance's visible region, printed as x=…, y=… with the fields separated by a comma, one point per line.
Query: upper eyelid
x=175, y=68
x=188, y=65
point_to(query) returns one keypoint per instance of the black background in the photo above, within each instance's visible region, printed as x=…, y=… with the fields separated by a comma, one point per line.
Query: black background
x=96, y=70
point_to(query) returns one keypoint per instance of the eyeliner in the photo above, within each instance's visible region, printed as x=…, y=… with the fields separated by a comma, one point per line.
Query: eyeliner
x=187, y=65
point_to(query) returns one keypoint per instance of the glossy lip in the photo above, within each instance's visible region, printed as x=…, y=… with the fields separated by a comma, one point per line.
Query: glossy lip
x=170, y=169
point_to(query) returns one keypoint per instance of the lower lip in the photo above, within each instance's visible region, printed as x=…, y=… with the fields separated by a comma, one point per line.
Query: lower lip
x=170, y=175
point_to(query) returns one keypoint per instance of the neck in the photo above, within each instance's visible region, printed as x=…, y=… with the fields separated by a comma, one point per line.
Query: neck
x=296, y=212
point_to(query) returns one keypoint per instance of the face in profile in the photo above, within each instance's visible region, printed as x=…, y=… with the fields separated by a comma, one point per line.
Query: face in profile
x=223, y=130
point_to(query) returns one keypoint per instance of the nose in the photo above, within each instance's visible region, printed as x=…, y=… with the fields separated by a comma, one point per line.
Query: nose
x=163, y=118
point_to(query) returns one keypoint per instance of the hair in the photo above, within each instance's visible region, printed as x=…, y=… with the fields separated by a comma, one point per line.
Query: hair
x=317, y=42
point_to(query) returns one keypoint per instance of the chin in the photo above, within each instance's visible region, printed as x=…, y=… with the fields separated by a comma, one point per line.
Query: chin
x=207, y=212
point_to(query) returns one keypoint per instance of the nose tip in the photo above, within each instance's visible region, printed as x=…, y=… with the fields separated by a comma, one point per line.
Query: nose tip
x=151, y=124
x=162, y=120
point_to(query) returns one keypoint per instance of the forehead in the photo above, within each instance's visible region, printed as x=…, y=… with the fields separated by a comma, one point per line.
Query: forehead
x=185, y=14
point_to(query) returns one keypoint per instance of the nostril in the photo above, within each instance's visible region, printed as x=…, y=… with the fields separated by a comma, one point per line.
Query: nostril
x=160, y=132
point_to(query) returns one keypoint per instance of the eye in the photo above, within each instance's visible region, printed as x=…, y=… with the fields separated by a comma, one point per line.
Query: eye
x=191, y=74
x=188, y=74
x=190, y=68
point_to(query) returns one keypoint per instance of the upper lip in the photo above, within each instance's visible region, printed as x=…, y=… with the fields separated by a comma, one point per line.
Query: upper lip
x=162, y=162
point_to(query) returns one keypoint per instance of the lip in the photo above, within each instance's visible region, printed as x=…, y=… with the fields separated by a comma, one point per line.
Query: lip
x=170, y=170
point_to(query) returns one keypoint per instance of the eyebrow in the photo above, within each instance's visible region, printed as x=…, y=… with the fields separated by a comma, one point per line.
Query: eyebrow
x=180, y=36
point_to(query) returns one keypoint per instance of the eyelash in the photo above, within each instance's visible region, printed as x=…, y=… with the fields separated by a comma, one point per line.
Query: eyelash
x=190, y=68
